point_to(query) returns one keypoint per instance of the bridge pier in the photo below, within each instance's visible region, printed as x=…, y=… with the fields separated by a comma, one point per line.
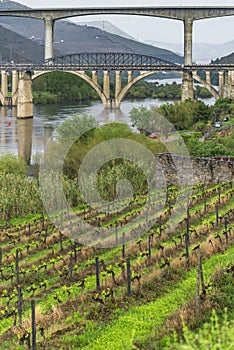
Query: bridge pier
x=4, y=89
x=25, y=99
x=94, y=77
x=129, y=76
x=229, y=85
x=208, y=80
x=188, y=41
x=187, y=86
x=106, y=89
x=187, y=77
x=15, y=84
x=118, y=86
x=221, y=84
x=49, y=37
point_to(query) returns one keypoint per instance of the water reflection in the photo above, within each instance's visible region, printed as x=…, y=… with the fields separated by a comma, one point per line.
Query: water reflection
x=25, y=127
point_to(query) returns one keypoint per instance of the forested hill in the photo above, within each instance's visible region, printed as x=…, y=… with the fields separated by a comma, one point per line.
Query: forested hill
x=70, y=37
x=225, y=60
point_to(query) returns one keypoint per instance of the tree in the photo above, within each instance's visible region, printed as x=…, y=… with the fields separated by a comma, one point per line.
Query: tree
x=142, y=119
x=76, y=127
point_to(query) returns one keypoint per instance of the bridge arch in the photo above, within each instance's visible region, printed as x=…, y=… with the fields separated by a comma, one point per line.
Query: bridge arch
x=83, y=76
x=119, y=98
x=209, y=87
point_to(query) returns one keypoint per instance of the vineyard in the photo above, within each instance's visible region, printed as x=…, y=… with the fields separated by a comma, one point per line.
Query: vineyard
x=59, y=294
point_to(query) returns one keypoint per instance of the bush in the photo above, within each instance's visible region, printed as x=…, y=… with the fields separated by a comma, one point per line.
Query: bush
x=215, y=335
x=10, y=164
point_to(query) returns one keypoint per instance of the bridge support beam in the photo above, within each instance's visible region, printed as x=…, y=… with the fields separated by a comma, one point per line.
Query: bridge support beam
x=229, y=86
x=15, y=83
x=187, y=77
x=221, y=84
x=118, y=86
x=49, y=37
x=25, y=100
x=4, y=88
x=106, y=88
x=129, y=76
x=187, y=86
x=188, y=41
x=94, y=76
x=208, y=80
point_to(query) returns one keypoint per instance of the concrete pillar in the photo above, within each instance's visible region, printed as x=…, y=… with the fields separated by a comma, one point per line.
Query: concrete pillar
x=25, y=127
x=188, y=41
x=208, y=77
x=187, y=86
x=230, y=85
x=25, y=100
x=106, y=87
x=129, y=76
x=4, y=83
x=49, y=37
x=187, y=77
x=4, y=88
x=118, y=83
x=94, y=77
x=15, y=84
x=221, y=84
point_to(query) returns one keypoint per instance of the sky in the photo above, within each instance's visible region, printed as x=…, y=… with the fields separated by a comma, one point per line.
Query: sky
x=218, y=30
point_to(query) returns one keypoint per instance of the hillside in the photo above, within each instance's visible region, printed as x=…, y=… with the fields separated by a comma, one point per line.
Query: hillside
x=107, y=27
x=86, y=299
x=17, y=48
x=225, y=59
x=70, y=37
x=202, y=52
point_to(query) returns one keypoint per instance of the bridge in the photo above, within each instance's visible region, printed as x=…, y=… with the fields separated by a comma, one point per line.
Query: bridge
x=22, y=75
x=90, y=66
x=187, y=14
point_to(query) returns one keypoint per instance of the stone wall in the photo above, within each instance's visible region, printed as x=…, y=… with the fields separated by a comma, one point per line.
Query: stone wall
x=194, y=170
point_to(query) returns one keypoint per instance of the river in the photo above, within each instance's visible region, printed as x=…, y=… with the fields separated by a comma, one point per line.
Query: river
x=27, y=137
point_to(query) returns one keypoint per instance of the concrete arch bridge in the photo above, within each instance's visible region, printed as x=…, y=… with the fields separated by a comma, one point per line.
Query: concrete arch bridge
x=89, y=66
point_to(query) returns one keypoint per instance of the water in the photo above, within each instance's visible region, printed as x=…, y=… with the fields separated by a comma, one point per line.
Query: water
x=30, y=136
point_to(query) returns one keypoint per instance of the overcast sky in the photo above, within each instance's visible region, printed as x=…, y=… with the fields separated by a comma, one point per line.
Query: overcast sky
x=217, y=30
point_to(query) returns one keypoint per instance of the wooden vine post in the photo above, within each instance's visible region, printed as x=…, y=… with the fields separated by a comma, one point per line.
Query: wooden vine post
x=43, y=217
x=225, y=229
x=128, y=265
x=34, y=334
x=123, y=245
x=71, y=268
x=160, y=227
x=116, y=234
x=0, y=256
x=19, y=305
x=149, y=247
x=17, y=266
x=200, y=280
x=75, y=250
x=98, y=288
x=204, y=197
x=61, y=241
x=187, y=239
x=217, y=214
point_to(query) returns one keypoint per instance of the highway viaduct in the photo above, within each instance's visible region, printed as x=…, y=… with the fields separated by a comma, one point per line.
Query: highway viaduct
x=187, y=14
